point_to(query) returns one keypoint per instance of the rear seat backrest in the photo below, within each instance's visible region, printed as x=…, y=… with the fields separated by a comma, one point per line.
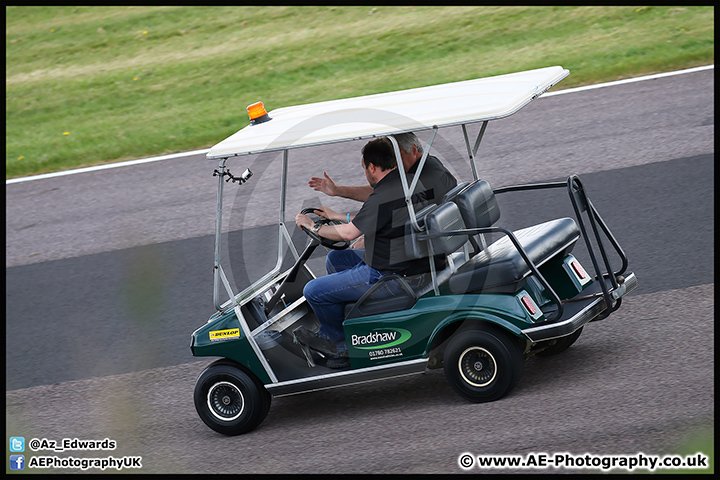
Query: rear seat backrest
x=448, y=197
x=443, y=218
x=478, y=205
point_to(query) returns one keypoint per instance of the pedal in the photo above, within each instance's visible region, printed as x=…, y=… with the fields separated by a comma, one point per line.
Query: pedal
x=308, y=355
x=304, y=348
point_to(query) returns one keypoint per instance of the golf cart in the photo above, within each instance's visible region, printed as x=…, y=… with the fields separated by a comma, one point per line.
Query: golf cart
x=495, y=304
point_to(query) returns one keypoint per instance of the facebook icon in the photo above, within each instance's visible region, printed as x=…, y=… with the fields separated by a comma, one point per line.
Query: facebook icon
x=17, y=462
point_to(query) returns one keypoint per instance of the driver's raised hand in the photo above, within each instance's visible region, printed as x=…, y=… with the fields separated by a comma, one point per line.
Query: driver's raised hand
x=325, y=185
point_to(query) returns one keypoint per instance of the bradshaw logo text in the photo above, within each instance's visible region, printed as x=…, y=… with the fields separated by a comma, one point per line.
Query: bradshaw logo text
x=387, y=337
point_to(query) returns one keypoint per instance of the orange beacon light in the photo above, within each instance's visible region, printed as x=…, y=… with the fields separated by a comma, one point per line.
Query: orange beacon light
x=257, y=113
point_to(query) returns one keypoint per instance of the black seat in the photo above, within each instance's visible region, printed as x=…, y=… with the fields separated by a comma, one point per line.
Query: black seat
x=499, y=268
x=477, y=204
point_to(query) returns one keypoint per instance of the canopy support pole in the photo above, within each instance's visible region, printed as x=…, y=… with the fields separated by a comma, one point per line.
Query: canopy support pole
x=218, y=235
x=472, y=152
x=408, y=190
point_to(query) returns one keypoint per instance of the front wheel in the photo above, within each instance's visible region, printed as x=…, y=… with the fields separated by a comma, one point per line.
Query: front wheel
x=483, y=365
x=229, y=400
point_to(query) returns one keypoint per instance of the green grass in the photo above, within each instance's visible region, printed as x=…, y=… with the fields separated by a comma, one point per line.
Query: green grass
x=702, y=440
x=91, y=85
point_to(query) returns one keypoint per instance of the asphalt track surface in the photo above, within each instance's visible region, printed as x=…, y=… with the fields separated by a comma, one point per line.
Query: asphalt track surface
x=108, y=273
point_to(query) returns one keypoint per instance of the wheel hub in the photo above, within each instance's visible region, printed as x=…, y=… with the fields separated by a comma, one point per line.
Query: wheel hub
x=477, y=367
x=225, y=401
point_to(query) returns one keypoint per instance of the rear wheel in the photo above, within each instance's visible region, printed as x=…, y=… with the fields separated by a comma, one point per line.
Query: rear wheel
x=483, y=365
x=229, y=400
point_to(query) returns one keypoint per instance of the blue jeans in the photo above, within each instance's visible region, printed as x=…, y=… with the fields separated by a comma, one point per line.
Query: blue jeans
x=347, y=280
x=339, y=260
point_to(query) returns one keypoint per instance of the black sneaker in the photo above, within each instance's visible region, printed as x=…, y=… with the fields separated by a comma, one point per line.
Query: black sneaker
x=337, y=362
x=320, y=344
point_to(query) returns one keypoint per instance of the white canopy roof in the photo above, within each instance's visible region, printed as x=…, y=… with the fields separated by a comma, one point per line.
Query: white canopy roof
x=393, y=112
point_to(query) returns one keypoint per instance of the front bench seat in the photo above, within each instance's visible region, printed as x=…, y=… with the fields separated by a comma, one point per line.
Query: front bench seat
x=406, y=290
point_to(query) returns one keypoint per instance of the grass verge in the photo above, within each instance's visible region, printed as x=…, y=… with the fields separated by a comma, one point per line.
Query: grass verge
x=91, y=85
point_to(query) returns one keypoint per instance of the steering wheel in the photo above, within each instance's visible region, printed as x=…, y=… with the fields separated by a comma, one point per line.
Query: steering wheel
x=325, y=242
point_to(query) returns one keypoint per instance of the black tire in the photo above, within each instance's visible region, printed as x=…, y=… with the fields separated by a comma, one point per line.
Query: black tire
x=229, y=400
x=561, y=344
x=483, y=365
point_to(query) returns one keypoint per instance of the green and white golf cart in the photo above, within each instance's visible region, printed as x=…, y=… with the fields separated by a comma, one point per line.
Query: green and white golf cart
x=494, y=305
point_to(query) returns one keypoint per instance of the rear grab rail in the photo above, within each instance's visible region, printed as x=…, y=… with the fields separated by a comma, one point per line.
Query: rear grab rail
x=581, y=204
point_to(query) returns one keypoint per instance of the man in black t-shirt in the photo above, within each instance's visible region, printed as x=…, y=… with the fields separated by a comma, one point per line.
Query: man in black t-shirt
x=382, y=221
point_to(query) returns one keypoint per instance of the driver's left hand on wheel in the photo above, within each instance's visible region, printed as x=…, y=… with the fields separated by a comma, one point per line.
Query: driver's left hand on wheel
x=337, y=239
x=302, y=220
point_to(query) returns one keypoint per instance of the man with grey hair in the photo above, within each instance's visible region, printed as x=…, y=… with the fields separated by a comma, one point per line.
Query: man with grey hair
x=434, y=175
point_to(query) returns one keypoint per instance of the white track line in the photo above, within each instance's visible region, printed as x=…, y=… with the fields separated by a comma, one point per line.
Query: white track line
x=198, y=152
x=628, y=80
x=105, y=166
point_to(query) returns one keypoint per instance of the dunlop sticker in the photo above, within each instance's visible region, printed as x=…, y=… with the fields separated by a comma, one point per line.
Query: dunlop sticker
x=224, y=334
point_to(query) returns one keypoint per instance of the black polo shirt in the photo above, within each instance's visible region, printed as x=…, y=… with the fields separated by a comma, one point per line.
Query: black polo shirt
x=435, y=177
x=382, y=220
